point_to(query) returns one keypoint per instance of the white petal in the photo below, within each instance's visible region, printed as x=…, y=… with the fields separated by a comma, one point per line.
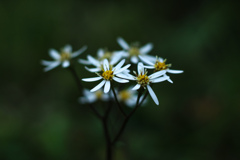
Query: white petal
x=47, y=63
x=93, y=69
x=161, y=59
x=169, y=80
x=134, y=59
x=122, y=69
x=149, y=67
x=107, y=87
x=98, y=86
x=153, y=95
x=157, y=74
x=65, y=64
x=122, y=43
x=119, y=65
x=91, y=79
x=174, y=71
x=140, y=68
x=93, y=61
x=115, y=59
x=51, y=66
x=126, y=76
x=145, y=60
x=83, y=61
x=160, y=79
x=136, y=87
x=80, y=51
x=67, y=48
x=100, y=53
x=120, y=80
x=147, y=48
x=105, y=65
x=54, y=54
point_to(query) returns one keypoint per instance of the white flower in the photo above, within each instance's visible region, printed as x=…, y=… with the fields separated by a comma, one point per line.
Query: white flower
x=113, y=57
x=129, y=97
x=63, y=57
x=134, y=50
x=159, y=64
x=108, y=74
x=144, y=81
x=90, y=97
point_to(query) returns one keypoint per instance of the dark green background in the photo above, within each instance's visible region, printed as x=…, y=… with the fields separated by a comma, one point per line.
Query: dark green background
x=198, y=116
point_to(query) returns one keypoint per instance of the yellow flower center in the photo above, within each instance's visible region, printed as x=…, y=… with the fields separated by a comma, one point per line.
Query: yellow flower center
x=143, y=80
x=65, y=56
x=124, y=95
x=134, y=51
x=98, y=94
x=108, y=75
x=161, y=65
x=107, y=55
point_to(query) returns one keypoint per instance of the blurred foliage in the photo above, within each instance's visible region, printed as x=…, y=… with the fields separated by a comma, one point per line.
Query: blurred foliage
x=198, y=115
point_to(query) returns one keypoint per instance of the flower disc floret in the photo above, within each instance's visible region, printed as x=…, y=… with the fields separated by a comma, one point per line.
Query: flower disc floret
x=134, y=51
x=161, y=65
x=107, y=75
x=143, y=80
x=65, y=56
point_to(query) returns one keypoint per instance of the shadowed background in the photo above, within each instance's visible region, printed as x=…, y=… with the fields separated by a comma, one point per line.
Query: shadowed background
x=198, y=116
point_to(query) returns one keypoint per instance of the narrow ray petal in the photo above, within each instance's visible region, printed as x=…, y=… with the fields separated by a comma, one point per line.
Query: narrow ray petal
x=153, y=95
x=122, y=69
x=93, y=69
x=80, y=51
x=174, y=71
x=122, y=43
x=119, y=65
x=145, y=60
x=65, y=64
x=140, y=68
x=157, y=80
x=91, y=79
x=54, y=54
x=126, y=76
x=100, y=53
x=105, y=64
x=157, y=74
x=136, y=87
x=146, y=48
x=93, y=61
x=47, y=63
x=98, y=86
x=120, y=80
x=83, y=61
x=107, y=87
x=51, y=66
x=67, y=48
x=134, y=59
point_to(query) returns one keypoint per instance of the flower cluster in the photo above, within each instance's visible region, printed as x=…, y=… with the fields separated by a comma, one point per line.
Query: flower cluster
x=114, y=68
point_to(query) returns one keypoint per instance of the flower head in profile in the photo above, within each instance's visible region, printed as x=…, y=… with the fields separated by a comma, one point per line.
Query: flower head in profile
x=134, y=50
x=144, y=81
x=91, y=97
x=159, y=64
x=63, y=57
x=108, y=74
x=112, y=57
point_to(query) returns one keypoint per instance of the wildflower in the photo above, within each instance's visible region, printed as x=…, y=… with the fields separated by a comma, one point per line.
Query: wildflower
x=113, y=57
x=145, y=81
x=108, y=74
x=159, y=64
x=128, y=96
x=89, y=97
x=133, y=51
x=62, y=57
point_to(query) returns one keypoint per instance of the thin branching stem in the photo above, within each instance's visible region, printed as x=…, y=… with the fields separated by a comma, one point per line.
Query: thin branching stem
x=118, y=104
x=126, y=120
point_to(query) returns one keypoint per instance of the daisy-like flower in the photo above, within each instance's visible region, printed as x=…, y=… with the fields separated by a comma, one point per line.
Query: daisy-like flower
x=133, y=51
x=113, y=58
x=63, y=57
x=129, y=97
x=108, y=74
x=145, y=81
x=159, y=64
x=90, y=97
